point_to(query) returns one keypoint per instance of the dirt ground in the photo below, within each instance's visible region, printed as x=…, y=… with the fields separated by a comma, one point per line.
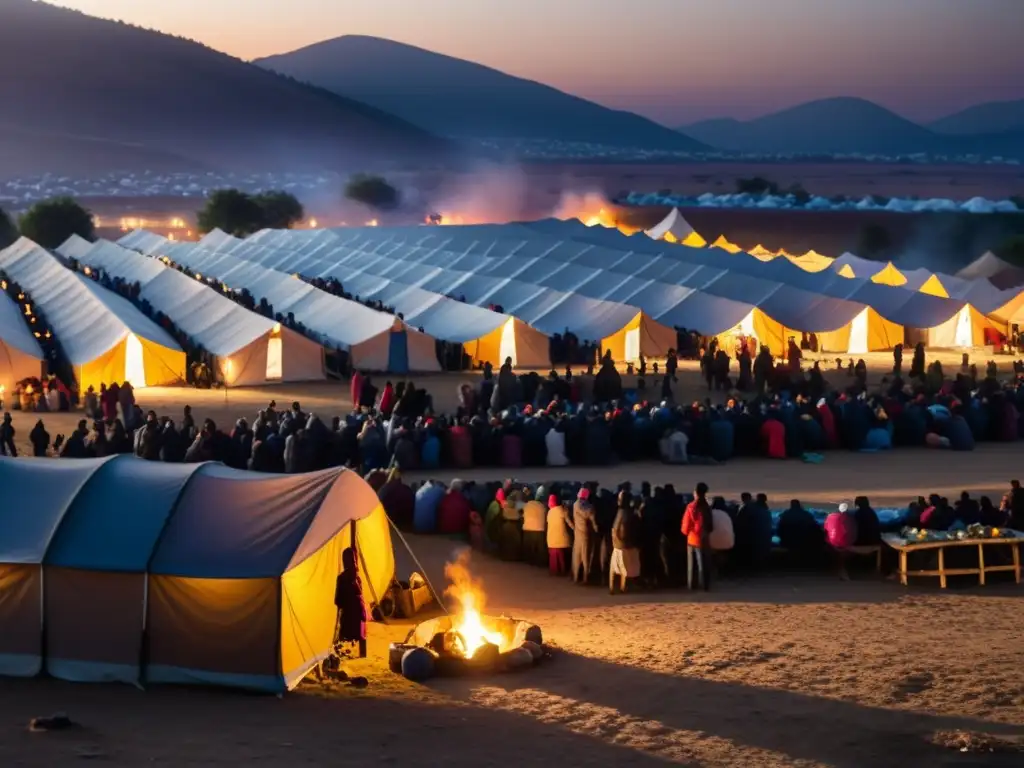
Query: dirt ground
x=784, y=669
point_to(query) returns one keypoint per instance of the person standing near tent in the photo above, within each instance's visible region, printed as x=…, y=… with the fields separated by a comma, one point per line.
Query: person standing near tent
x=348, y=598
x=584, y=522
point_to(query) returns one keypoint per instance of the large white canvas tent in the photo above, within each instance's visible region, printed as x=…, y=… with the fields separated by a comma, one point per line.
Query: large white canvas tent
x=20, y=355
x=104, y=337
x=124, y=570
x=375, y=340
x=250, y=349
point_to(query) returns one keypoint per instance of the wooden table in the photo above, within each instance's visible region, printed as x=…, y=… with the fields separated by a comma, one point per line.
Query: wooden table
x=905, y=547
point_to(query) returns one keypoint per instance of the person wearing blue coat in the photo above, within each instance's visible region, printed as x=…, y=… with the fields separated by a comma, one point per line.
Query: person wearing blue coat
x=424, y=515
x=959, y=434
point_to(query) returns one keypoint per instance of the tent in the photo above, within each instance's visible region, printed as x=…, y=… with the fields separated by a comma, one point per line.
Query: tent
x=20, y=355
x=926, y=281
x=967, y=328
x=676, y=229
x=73, y=247
x=985, y=266
x=812, y=261
x=851, y=265
x=761, y=253
x=250, y=349
x=723, y=243
x=869, y=332
x=124, y=570
x=376, y=341
x=105, y=338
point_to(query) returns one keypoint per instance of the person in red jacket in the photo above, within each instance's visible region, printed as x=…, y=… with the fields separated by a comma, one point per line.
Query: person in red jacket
x=697, y=527
x=387, y=401
x=773, y=438
x=453, y=510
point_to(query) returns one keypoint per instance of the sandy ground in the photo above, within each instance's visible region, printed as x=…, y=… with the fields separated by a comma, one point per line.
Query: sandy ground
x=781, y=670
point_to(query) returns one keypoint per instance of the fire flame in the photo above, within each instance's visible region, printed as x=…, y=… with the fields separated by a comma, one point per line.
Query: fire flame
x=467, y=621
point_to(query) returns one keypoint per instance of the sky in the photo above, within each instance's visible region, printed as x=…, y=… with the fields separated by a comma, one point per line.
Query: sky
x=676, y=61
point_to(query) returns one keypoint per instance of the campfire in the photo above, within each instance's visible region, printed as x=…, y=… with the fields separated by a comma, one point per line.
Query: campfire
x=467, y=641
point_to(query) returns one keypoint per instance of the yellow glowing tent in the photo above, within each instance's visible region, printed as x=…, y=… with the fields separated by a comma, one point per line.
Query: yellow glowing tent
x=889, y=275
x=758, y=325
x=812, y=261
x=641, y=336
x=965, y=329
x=761, y=253
x=725, y=245
x=867, y=332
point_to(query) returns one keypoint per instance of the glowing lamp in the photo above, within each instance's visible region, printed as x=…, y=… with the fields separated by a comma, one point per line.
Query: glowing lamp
x=312, y=223
x=21, y=297
x=28, y=309
x=3, y=285
x=37, y=334
x=227, y=366
x=87, y=271
x=28, y=389
x=198, y=276
x=276, y=328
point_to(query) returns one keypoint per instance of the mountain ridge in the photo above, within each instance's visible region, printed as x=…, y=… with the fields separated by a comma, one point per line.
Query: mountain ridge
x=464, y=99
x=173, y=97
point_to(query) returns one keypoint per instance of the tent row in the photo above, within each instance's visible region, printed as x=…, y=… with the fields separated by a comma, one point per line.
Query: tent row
x=104, y=337
x=486, y=336
x=857, y=317
x=375, y=341
x=623, y=329
x=250, y=349
x=124, y=570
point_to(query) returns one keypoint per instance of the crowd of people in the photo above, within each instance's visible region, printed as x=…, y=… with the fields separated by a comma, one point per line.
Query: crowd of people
x=658, y=537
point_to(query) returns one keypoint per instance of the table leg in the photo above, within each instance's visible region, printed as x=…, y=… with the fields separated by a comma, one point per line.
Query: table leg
x=1016, y=560
x=981, y=565
x=903, y=567
x=878, y=560
x=942, y=567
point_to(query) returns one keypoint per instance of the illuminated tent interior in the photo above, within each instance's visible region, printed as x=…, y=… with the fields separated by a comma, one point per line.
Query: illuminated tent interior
x=376, y=341
x=20, y=354
x=105, y=338
x=250, y=349
x=146, y=572
x=674, y=228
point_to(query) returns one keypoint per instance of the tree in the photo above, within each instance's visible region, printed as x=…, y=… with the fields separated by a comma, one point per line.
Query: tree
x=8, y=232
x=874, y=242
x=372, y=191
x=231, y=211
x=281, y=210
x=50, y=222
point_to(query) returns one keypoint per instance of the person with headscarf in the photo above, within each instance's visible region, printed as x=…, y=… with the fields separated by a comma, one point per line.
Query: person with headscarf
x=348, y=598
x=510, y=545
x=585, y=540
x=559, y=537
x=534, y=538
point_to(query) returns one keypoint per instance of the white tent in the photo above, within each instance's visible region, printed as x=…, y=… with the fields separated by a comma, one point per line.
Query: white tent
x=20, y=355
x=103, y=335
x=985, y=266
x=73, y=247
x=143, y=241
x=375, y=340
x=674, y=228
x=250, y=349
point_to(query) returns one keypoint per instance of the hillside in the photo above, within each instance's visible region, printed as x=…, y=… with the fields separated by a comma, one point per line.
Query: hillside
x=994, y=117
x=827, y=126
x=458, y=98
x=92, y=80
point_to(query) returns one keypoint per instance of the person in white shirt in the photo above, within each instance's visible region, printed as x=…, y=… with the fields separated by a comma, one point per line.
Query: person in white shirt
x=554, y=440
x=559, y=538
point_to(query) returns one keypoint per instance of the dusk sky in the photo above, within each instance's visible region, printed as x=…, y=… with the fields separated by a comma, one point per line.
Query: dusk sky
x=673, y=60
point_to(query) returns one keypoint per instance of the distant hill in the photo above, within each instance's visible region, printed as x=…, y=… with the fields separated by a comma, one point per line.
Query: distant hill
x=458, y=98
x=994, y=117
x=827, y=126
x=141, y=97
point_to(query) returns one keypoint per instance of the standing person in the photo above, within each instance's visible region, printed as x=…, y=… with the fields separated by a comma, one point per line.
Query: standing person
x=348, y=598
x=1016, y=506
x=584, y=523
x=625, y=562
x=7, y=437
x=534, y=540
x=697, y=526
x=559, y=537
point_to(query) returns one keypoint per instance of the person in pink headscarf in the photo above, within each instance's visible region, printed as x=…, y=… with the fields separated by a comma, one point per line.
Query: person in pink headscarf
x=492, y=522
x=584, y=545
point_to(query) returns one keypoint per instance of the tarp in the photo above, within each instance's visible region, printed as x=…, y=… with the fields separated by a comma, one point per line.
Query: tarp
x=104, y=336
x=74, y=247
x=138, y=571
